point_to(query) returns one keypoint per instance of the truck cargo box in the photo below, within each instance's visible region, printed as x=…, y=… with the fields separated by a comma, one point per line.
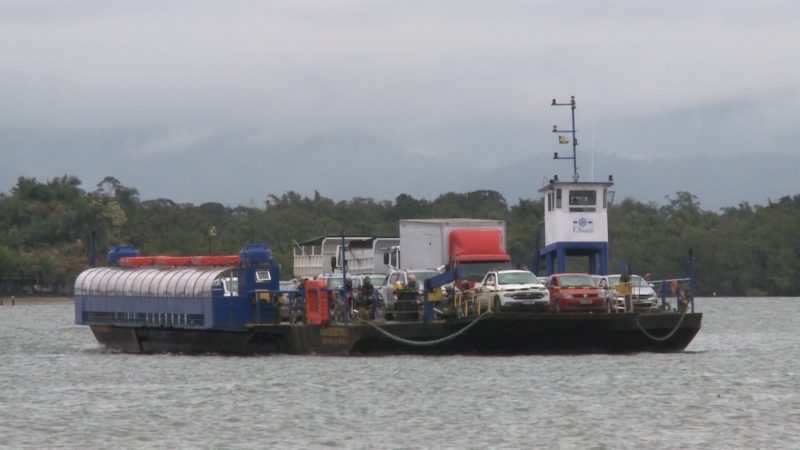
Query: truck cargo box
x=424, y=243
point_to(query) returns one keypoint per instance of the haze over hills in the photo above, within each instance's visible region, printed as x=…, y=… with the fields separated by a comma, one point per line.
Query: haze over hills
x=717, y=181
x=367, y=99
x=237, y=169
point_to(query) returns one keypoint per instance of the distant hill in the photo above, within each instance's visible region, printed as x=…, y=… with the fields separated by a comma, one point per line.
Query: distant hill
x=236, y=169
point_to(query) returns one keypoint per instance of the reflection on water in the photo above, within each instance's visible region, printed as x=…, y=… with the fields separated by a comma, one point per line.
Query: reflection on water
x=735, y=387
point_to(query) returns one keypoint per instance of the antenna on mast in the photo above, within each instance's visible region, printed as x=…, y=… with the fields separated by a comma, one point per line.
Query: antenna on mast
x=564, y=140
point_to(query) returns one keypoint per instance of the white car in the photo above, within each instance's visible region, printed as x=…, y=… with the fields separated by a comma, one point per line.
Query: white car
x=513, y=290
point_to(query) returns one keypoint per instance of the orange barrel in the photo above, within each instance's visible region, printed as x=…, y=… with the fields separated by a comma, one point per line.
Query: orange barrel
x=317, y=302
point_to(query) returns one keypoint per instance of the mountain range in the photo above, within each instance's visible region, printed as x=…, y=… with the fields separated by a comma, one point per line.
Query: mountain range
x=342, y=165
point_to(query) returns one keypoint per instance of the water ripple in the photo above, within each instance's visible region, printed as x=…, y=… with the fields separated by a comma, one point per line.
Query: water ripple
x=735, y=387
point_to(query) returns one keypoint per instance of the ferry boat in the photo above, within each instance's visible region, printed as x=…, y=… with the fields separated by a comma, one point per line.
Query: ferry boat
x=231, y=304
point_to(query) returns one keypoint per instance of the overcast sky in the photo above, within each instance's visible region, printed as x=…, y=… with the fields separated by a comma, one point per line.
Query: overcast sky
x=653, y=79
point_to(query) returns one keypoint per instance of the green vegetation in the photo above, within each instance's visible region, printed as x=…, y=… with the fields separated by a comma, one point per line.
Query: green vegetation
x=45, y=232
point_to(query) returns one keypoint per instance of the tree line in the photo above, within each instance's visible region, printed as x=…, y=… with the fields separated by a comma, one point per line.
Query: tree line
x=46, y=230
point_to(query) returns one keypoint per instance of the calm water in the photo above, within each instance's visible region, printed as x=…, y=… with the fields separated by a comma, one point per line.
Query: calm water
x=736, y=386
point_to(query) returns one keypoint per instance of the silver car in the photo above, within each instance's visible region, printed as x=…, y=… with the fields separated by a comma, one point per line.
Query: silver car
x=643, y=296
x=386, y=291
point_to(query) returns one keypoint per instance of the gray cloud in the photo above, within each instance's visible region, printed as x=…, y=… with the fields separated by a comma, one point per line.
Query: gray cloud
x=449, y=79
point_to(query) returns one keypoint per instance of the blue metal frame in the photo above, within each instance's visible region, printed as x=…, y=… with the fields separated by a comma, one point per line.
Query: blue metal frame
x=436, y=282
x=556, y=256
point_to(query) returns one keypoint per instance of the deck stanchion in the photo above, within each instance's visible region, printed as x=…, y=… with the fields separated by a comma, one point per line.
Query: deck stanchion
x=428, y=308
x=691, y=277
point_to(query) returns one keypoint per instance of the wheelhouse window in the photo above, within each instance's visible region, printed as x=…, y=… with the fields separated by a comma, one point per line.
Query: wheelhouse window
x=554, y=200
x=583, y=201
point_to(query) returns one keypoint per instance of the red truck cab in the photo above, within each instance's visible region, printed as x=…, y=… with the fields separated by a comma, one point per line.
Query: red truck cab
x=477, y=252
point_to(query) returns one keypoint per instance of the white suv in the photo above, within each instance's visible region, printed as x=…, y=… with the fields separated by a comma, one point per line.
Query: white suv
x=513, y=290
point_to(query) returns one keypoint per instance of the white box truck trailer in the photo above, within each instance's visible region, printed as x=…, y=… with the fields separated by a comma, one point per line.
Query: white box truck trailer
x=477, y=245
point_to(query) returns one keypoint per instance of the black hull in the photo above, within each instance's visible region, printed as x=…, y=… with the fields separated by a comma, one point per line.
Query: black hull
x=493, y=334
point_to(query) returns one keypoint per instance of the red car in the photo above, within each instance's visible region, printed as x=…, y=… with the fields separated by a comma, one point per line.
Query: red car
x=575, y=292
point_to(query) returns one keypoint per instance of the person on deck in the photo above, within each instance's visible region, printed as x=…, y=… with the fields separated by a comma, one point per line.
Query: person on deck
x=366, y=292
x=412, y=281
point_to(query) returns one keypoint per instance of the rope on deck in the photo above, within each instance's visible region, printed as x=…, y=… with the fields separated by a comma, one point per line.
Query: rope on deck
x=664, y=338
x=426, y=343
